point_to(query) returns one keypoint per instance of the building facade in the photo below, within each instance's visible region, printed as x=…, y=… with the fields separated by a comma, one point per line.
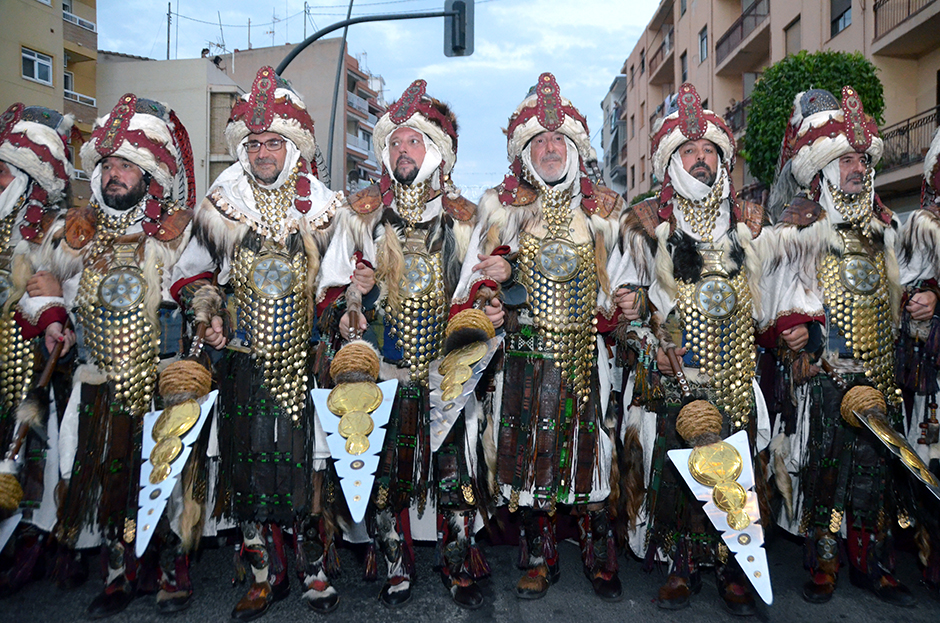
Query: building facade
x=612, y=136
x=48, y=57
x=723, y=47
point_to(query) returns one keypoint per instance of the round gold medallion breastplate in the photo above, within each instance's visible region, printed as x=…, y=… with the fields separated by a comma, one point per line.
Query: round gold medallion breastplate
x=122, y=288
x=271, y=276
x=558, y=259
x=419, y=275
x=715, y=296
x=859, y=274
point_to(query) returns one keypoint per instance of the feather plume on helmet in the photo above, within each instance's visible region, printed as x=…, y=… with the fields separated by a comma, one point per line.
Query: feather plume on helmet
x=689, y=122
x=434, y=119
x=545, y=110
x=820, y=130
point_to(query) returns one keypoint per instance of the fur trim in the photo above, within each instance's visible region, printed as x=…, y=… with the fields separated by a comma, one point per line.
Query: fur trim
x=931, y=170
x=35, y=166
x=811, y=159
x=291, y=129
x=675, y=139
x=663, y=262
x=780, y=453
x=921, y=235
x=753, y=264
x=391, y=266
x=385, y=126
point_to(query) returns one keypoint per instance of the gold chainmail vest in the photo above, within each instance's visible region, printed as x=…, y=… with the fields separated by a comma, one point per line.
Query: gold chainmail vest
x=272, y=310
x=855, y=290
x=16, y=353
x=719, y=331
x=418, y=324
x=561, y=282
x=117, y=334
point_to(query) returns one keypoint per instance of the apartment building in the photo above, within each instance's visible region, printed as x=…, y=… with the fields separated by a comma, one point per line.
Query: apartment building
x=612, y=136
x=359, y=103
x=723, y=47
x=48, y=57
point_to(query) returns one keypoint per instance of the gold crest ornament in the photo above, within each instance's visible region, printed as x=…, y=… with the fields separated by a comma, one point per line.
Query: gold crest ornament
x=352, y=403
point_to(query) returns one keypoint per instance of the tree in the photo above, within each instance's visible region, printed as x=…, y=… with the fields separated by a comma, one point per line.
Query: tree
x=773, y=95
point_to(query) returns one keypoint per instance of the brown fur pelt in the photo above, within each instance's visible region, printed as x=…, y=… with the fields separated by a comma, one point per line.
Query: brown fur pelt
x=391, y=266
x=630, y=465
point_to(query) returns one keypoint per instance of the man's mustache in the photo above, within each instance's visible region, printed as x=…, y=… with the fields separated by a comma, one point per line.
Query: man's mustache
x=551, y=158
x=406, y=159
x=701, y=165
x=855, y=177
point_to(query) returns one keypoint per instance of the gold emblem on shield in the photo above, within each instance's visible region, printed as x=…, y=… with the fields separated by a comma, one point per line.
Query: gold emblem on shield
x=859, y=274
x=715, y=297
x=558, y=260
x=419, y=275
x=271, y=276
x=122, y=289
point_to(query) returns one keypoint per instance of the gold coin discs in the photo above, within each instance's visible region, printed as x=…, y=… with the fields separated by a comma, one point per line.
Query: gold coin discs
x=176, y=421
x=738, y=520
x=729, y=496
x=166, y=450
x=715, y=463
x=357, y=444
x=462, y=374
x=884, y=430
x=349, y=397
x=355, y=423
x=451, y=393
x=161, y=471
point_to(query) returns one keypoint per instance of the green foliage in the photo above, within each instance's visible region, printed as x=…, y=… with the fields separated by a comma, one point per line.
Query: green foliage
x=772, y=100
x=637, y=199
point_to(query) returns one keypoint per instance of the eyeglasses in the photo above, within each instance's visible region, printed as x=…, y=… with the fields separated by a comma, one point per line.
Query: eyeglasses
x=272, y=144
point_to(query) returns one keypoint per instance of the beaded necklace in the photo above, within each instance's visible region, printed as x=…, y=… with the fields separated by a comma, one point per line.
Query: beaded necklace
x=702, y=215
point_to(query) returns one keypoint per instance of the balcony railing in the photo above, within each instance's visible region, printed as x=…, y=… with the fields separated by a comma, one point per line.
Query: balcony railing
x=81, y=99
x=358, y=143
x=890, y=13
x=664, y=48
x=736, y=117
x=75, y=19
x=357, y=102
x=742, y=27
x=907, y=142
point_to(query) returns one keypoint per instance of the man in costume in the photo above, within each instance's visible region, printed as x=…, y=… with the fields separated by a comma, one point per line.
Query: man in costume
x=113, y=260
x=413, y=227
x=34, y=184
x=686, y=295
x=259, y=234
x=831, y=298
x=542, y=241
x=918, y=349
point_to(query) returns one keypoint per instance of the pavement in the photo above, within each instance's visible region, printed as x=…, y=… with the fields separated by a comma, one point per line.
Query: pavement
x=571, y=599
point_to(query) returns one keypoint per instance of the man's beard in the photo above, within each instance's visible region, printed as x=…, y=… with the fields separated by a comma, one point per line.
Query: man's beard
x=410, y=176
x=266, y=180
x=126, y=201
x=710, y=176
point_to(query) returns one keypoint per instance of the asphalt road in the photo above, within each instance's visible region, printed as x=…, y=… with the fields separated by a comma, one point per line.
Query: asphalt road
x=569, y=600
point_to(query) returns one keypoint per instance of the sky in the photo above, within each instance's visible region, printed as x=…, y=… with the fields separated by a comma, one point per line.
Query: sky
x=582, y=42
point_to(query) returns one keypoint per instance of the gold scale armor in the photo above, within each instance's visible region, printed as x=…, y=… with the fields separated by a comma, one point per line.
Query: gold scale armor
x=16, y=353
x=273, y=310
x=119, y=337
x=719, y=331
x=855, y=290
x=561, y=282
x=418, y=324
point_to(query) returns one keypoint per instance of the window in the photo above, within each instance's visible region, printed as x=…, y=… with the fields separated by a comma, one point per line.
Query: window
x=792, y=37
x=642, y=168
x=66, y=6
x=632, y=176
x=642, y=114
x=703, y=44
x=684, y=66
x=632, y=126
x=840, y=16
x=631, y=75
x=68, y=81
x=642, y=61
x=682, y=7
x=37, y=66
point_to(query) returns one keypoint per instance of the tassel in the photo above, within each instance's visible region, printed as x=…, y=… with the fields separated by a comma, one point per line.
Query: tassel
x=478, y=566
x=523, y=560
x=371, y=571
x=241, y=572
x=331, y=564
x=612, y=565
x=588, y=556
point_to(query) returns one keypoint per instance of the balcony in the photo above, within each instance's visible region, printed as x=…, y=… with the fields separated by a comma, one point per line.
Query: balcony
x=357, y=103
x=907, y=142
x=359, y=144
x=736, y=116
x=81, y=99
x=906, y=28
x=747, y=43
x=75, y=19
x=661, y=62
x=623, y=155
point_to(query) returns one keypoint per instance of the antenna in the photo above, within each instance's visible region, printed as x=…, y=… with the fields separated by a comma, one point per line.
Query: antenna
x=221, y=34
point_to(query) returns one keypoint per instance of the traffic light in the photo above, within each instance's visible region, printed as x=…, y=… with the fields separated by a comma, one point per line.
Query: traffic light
x=458, y=28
